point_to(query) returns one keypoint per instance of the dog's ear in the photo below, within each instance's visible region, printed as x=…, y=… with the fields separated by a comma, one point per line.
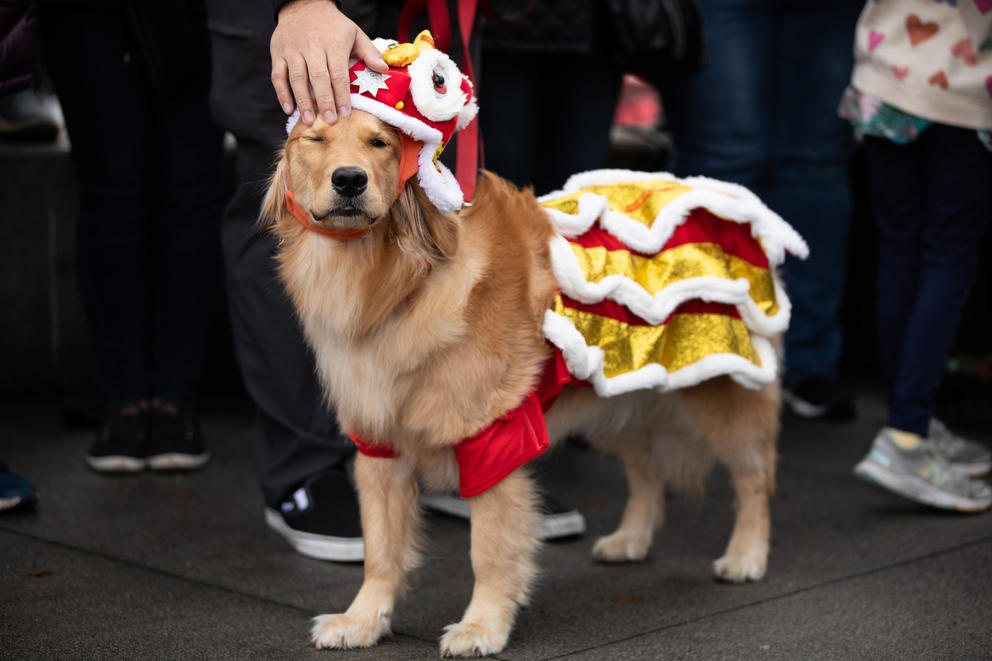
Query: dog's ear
x=422, y=230
x=275, y=197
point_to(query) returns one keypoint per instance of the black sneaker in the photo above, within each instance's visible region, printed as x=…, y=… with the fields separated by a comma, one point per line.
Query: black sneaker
x=320, y=519
x=557, y=520
x=120, y=446
x=175, y=440
x=820, y=397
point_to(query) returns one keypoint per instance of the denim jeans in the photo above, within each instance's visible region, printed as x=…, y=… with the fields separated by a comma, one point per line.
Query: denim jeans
x=933, y=201
x=764, y=114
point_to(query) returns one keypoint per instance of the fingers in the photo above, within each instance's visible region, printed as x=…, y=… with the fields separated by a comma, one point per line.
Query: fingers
x=299, y=81
x=321, y=87
x=280, y=71
x=366, y=51
x=340, y=84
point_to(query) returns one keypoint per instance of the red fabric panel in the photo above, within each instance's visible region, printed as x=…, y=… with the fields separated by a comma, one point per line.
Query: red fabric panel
x=501, y=448
x=701, y=227
x=372, y=448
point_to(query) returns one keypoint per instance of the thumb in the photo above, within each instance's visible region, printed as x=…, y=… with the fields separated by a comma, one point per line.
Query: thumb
x=366, y=51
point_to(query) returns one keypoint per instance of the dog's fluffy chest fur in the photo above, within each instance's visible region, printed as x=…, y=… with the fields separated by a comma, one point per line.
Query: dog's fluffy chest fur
x=412, y=355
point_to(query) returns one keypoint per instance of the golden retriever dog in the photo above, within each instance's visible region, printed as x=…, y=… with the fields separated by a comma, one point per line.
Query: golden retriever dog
x=428, y=329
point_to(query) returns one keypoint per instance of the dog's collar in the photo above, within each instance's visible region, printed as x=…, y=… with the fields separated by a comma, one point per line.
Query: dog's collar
x=301, y=215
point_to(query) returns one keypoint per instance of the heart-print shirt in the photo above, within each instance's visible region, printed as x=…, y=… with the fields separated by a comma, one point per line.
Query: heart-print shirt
x=929, y=59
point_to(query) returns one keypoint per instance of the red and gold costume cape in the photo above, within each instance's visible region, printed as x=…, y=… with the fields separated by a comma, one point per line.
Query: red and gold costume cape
x=666, y=282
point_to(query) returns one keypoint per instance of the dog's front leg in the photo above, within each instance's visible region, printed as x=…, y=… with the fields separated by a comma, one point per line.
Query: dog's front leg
x=503, y=559
x=387, y=493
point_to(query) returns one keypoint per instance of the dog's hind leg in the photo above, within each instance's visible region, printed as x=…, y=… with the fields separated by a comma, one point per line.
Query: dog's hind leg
x=503, y=550
x=390, y=524
x=742, y=427
x=643, y=514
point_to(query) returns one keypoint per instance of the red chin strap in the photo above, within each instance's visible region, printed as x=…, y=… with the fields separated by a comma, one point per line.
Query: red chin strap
x=409, y=158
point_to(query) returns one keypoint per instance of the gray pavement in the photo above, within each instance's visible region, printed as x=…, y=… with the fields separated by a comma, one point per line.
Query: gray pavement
x=182, y=566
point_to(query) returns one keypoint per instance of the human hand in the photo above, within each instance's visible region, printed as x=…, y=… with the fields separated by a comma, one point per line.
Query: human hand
x=310, y=49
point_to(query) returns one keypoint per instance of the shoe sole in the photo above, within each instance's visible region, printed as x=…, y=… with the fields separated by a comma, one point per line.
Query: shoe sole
x=551, y=526
x=916, y=489
x=802, y=408
x=321, y=547
x=557, y=526
x=116, y=463
x=177, y=461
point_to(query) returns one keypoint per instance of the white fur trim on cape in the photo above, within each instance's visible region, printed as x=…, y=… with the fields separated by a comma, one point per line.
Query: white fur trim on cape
x=726, y=200
x=586, y=362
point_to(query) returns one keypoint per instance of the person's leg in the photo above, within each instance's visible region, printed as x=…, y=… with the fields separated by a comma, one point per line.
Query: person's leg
x=959, y=206
x=719, y=118
x=809, y=187
x=297, y=434
x=102, y=92
x=186, y=258
x=898, y=175
x=185, y=265
x=102, y=89
x=506, y=115
x=300, y=453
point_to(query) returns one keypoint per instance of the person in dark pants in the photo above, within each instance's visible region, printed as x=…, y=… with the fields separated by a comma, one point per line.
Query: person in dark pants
x=548, y=94
x=300, y=452
x=763, y=113
x=147, y=160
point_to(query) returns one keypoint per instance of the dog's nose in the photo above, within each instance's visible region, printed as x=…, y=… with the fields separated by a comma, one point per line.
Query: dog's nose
x=350, y=181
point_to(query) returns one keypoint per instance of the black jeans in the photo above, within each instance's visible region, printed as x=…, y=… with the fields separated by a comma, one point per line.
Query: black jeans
x=932, y=200
x=148, y=165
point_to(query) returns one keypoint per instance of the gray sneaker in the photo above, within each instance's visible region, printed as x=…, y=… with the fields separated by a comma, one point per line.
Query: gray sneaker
x=971, y=458
x=921, y=475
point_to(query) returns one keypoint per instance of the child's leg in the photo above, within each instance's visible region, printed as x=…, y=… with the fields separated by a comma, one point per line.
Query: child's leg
x=926, y=267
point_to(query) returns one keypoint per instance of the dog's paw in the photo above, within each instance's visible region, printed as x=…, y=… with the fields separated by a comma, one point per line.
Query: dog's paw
x=345, y=631
x=740, y=568
x=472, y=639
x=622, y=547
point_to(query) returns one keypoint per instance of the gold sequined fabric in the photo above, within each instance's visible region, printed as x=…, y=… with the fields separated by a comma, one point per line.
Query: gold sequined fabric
x=700, y=305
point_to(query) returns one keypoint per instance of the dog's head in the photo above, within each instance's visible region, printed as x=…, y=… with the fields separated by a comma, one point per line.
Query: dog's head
x=344, y=178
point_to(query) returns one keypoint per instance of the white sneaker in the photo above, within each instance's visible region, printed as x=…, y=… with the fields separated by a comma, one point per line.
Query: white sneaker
x=557, y=520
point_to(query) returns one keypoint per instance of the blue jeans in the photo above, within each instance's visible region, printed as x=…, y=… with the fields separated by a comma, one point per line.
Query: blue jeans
x=764, y=114
x=932, y=200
